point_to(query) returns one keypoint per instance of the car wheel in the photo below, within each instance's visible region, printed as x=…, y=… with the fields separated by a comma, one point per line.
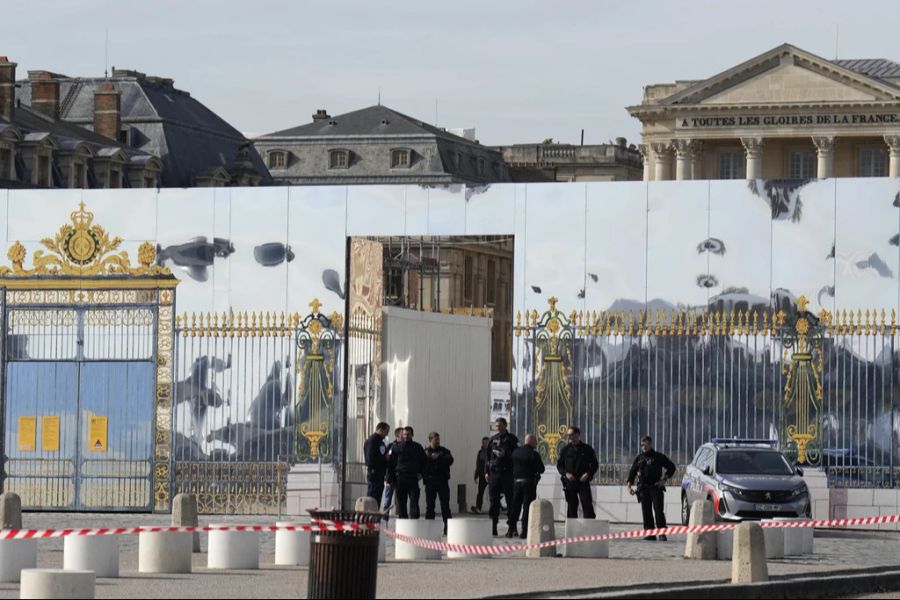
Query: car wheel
x=685, y=510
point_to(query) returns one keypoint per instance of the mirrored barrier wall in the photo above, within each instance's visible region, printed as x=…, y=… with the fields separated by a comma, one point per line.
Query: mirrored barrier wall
x=661, y=308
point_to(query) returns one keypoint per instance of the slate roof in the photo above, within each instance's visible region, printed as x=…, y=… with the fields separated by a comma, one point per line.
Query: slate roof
x=872, y=67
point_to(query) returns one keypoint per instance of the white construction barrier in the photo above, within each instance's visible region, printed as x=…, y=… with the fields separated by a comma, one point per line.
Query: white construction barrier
x=97, y=553
x=232, y=549
x=473, y=532
x=724, y=544
x=56, y=583
x=429, y=530
x=797, y=540
x=774, y=540
x=164, y=552
x=16, y=555
x=292, y=547
x=577, y=527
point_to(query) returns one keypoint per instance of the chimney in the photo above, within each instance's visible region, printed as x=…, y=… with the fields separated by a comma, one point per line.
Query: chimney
x=7, y=88
x=44, y=93
x=107, y=119
x=621, y=142
x=321, y=115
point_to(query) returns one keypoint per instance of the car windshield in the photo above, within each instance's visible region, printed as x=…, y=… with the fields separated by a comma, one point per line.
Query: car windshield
x=752, y=462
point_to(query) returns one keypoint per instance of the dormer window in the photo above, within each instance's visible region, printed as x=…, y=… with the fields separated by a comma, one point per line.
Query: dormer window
x=400, y=158
x=277, y=159
x=338, y=159
x=481, y=167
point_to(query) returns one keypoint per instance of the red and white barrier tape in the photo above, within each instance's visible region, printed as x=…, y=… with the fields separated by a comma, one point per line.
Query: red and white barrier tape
x=324, y=525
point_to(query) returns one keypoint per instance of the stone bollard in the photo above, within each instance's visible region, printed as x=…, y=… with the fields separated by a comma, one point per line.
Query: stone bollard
x=367, y=504
x=774, y=540
x=164, y=552
x=701, y=546
x=461, y=504
x=57, y=583
x=540, y=528
x=797, y=540
x=579, y=527
x=10, y=511
x=472, y=532
x=724, y=544
x=97, y=553
x=232, y=549
x=184, y=514
x=748, y=563
x=292, y=547
x=427, y=530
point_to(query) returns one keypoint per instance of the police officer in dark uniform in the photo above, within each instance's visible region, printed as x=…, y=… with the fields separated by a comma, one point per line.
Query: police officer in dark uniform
x=648, y=468
x=577, y=465
x=375, y=453
x=481, y=459
x=406, y=465
x=527, y=468
x=498, y=472
x=437, y=477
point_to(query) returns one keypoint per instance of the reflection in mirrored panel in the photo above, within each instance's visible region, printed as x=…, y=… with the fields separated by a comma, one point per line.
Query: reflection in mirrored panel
x=803, y=244
x=867, y=250
x=447, y=210
x=35, y=214
x=416, y=202
x=677, y=236
x=127, y=213
x=739, y=247
x=490, y=210
x=316, y=248
x=376, y=210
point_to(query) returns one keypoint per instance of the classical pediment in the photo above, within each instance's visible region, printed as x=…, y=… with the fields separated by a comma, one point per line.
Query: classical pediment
x=785, y=75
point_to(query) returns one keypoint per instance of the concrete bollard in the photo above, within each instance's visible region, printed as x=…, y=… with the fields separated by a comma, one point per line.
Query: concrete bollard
x=10, y=511
x=774, y=540
x=292, y=547
x=797, y=540
x=97, y=553
x=475, y=532
x=578, y=527
x=748, y=564
x=724, y=544
x=184, y=514
x=232, y=549
x=428, y=530
x=701, y=546
x=16, y=555
x=57, y=583
x=367, y=504
x=164, y=552
x=540, y=528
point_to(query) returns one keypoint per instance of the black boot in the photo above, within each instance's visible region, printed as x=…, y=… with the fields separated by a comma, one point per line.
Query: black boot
x=494, y=529
x=445, y=528
x=513, y=532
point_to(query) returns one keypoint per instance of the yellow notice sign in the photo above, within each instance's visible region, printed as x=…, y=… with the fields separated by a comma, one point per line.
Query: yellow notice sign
x=97, y=438
x=27, y=434
x=50, y=434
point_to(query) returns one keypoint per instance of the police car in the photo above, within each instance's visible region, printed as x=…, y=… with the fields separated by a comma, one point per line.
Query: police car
x=744, y=479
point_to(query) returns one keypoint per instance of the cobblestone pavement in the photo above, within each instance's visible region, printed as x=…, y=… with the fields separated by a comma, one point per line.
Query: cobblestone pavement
x=463, y=578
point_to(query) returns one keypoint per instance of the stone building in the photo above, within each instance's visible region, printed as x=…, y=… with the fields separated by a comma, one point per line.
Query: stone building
x=785, y=114
x=377, y=145
x=550, y=161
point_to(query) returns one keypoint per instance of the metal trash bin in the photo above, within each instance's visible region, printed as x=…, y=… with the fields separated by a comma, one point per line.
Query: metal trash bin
x=343, y=564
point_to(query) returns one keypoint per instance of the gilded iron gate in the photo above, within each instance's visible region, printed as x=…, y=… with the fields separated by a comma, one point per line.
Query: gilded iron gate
x=87, y=359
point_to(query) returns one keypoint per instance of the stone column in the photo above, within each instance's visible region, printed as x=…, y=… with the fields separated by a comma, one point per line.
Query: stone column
x=825, y=151
x=645, y=158
x=697, y=160
x=683, y=158
x=754, y=149
x=661, y=158
x=893, y=142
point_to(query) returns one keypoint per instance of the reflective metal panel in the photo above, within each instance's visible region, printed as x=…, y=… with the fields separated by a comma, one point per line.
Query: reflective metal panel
x=447, y=210
x=490, y=210
x=375, y=210
x=34, y=214
x=129, y=213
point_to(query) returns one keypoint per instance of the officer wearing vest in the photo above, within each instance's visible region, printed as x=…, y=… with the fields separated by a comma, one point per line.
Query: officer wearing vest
x=648, y=469
x=577, y=465
x=375, y=453
x=498, y=472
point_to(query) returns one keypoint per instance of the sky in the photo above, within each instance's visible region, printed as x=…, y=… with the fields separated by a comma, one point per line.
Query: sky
x=517, y=71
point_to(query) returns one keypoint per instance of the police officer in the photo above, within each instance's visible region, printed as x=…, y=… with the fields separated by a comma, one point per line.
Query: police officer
x=376, y=461
x=481, y=459
x=527, y=468
x=648, y=468
x=406, y=465
x=388, y=500
x=498, y=472
x=437, y=477
x=577, y=465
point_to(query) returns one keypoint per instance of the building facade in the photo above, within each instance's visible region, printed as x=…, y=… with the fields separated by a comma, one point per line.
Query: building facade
x=785, y=114
x=377, y=145
x=550, y=161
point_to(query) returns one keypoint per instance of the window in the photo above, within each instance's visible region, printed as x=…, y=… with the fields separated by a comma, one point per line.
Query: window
x=481, y=167
x=468, y=279
x=732, y=164
x=872, y=162
x=43, y=166
x=78, y=175
x=114, y=179
x=338, y=159
x=400, y=159
x=5, y=162
x=491, y=282
x=801, y=164
x=457, y=159
x=149, y=182
x=277, y=160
